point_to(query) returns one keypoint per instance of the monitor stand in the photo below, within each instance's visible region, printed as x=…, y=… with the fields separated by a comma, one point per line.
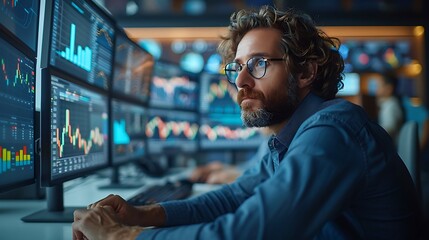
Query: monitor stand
x=115, y=182
x=55, y=212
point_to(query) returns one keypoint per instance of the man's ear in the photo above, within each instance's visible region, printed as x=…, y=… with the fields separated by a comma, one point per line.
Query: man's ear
x=306, y=78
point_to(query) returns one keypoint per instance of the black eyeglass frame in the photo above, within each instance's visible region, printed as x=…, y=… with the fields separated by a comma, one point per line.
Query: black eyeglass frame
x=241, y=65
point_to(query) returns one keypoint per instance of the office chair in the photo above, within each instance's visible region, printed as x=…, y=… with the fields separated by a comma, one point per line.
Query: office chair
x=409, y=149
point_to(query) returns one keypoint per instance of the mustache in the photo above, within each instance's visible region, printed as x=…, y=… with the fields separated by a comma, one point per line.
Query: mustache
x=245, y=93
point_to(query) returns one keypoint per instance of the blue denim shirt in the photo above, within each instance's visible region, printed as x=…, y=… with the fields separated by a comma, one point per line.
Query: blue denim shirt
x=331, y=173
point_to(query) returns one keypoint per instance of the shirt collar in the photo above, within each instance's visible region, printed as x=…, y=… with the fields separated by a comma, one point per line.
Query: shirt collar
x=309, y=105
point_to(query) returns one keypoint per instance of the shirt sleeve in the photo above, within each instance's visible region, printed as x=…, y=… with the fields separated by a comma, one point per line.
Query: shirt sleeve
x=323, y=163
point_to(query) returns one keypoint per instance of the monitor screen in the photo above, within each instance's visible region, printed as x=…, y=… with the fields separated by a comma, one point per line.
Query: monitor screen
x=173, y=87
x=21, y=19
x=132, y=69
x=78, y=131
x=16, y=117
x=81, y=41
x=171, y=131
x=351, y=85
x=129, y=122
x=221, y=124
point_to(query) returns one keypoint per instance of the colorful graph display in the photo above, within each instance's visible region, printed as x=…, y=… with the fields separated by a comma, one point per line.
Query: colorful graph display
x=222, y=134
x=221, y=124
x=16, y=76
x=172, y=129
x=16, y=115
x=217, y=95
x=82, y=41
x=82, y=56
x=173, y=88
x=132, y=69
x=129, y=121
x=20, y=158
x=79, y=128
x=20, y=18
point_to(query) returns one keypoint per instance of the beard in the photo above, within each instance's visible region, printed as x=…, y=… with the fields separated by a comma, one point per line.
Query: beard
x=278, y=108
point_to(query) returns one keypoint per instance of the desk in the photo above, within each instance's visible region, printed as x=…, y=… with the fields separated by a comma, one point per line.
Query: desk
x=84, y=192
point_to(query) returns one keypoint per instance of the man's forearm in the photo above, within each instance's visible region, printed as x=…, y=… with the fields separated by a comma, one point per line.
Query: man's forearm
x=151, y=215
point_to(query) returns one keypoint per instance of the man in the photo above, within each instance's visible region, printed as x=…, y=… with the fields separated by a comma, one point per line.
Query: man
x=330, y=172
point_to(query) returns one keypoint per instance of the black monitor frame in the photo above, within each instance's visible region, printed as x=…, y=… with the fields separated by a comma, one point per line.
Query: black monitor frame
x=107, y=19
x=115, y=181
x=46, y=138
x=25, y=52
x=172, y=104
x=56, y=212
x=143, y=137
x=120, y=33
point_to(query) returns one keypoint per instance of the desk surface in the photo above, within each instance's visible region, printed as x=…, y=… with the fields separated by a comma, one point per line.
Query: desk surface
x=77, y=193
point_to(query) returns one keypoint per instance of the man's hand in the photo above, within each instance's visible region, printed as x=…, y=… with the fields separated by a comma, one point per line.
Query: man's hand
x=125, y=213
x=202, y=173
x=101, y=223
x=148, y=215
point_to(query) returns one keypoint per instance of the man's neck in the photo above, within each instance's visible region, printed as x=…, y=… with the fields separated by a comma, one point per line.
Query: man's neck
x=275, y=128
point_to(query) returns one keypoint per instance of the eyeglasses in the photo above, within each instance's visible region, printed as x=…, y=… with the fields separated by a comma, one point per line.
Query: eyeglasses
x=256, y=66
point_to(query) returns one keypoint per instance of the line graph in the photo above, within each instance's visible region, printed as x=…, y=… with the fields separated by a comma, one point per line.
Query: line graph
x=218, y=96
x=165, y=129
x=76, y=139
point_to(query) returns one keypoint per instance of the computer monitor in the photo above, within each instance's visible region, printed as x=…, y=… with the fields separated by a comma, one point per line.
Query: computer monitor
x=221, y=125
x=173, y=88
x=133, y=68
x=129, y=122
x=21, y=18
x=82, y=41
x=128, y=139
x=17, y=117
x=74, y=138
x=171, y=132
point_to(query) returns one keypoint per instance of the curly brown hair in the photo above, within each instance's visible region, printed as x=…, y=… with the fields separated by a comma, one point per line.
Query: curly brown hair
x=302, y=43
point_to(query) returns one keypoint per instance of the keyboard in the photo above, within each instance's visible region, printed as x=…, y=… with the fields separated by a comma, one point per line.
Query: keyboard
x=176, y=190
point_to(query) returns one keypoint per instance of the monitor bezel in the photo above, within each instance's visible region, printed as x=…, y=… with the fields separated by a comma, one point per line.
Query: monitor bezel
x=10, y=186
x=45, y=127
x=109, y=19
x=120, y=32
x=194, y=77
x=114, y=163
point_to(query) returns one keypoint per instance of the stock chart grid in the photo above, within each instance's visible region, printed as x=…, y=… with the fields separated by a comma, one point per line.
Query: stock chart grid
x=17, y=79
x=221, y=124
x=79, y=125
x=82, y=42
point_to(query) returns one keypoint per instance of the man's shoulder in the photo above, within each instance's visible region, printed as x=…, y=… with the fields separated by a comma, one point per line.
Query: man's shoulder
x=342, y=108
x=340, y=112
